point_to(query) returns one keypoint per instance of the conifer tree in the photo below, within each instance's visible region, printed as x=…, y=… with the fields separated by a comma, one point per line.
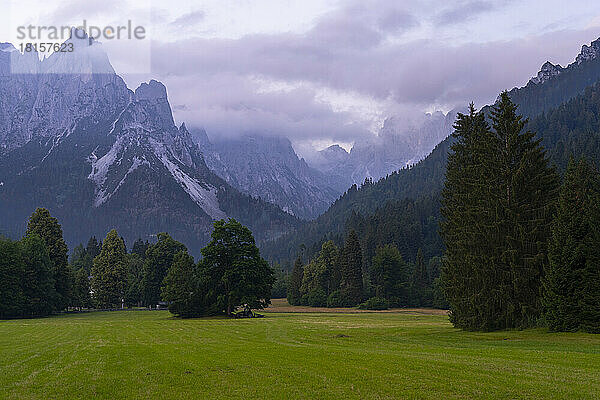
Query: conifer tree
x=159, y=258
x=12, y=300
x=41, y=223
x=93, y=247
x=294, y=295
x=352, y=265
x=81, y=289
x=498, y=201
x=140, y=247
x=135, y=276
x=420, y=281
x=466, y=224
x=390, y=275
x=572, y=280
x=528, y=193
x=180, y=287
x=36, y=280
x=81, y=259
x=109, y=273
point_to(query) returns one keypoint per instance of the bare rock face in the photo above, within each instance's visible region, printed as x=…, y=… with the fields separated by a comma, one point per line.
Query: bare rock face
x=269, y=168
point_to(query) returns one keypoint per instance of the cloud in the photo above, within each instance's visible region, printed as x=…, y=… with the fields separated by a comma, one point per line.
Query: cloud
x=273, y=83
x=189, y=19
x=464, y=11
x=77, y=11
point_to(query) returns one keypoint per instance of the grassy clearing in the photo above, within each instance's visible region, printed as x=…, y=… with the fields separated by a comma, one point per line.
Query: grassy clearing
x=141, y=354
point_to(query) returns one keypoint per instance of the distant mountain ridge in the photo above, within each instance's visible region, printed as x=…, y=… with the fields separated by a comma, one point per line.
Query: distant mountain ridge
x=269, y=168
x=400, y=142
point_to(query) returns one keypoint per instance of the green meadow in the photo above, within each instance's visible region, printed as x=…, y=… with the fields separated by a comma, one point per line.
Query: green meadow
x=411, y=354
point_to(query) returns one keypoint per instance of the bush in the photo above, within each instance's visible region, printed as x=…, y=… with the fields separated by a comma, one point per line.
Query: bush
x=316, y=298
x=375, y=303
x=339, y=299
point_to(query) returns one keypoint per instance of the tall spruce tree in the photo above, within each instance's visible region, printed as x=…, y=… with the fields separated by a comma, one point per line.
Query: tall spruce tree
x=180, y=287
x=528, y=192
x=420, y=282
x=109, y=273
x=352, y=266
x=159, y=258
x=36, y=280
x=390, y=277
x=466, y=224
x=12, y=299
x=294, y=294
x=81, y=289
x=93, y=247
x=572, y=280
x=140, y=247
x=41, y=223
x=498, y=202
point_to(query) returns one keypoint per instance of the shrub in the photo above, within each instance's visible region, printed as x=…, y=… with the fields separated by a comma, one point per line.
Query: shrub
x=375, y=303
x=316, y=298
x=339, y=299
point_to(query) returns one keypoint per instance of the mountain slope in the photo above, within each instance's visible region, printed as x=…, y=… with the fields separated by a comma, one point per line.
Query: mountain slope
x=268, y=167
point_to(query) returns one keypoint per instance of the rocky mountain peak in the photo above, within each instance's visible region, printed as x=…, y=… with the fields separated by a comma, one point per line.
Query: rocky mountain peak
x=153, y=98
x=547, y=72
x=588, y=52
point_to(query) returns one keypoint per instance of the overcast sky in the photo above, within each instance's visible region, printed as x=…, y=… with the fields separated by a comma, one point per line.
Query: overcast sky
x=322, y=71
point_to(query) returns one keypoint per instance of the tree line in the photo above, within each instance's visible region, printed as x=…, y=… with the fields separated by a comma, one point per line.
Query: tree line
x=339, y=277
x=520, y=248
x=37, y=279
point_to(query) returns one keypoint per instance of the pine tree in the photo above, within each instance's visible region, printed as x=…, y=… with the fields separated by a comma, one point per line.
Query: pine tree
x=467, y=224
x=41, y=223
x=572, y=280
x=180, y=287
x=81, y=259
x=140, y=247
x=498, y=202
x=36, y=281
x=528, y=193
x=93, y=247
x=135, y=275
x=352, y=266
x=420, y=282
x=109, y=273
x=389, y=273
x=159, y=258
x=12, y=300
x=294, y=294
x=81, y=289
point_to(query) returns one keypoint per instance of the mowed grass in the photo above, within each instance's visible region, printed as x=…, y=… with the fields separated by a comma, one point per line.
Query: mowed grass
x=151, y=355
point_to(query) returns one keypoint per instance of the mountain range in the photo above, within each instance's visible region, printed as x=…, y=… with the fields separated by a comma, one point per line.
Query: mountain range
x=76, y=140
x=269, y=168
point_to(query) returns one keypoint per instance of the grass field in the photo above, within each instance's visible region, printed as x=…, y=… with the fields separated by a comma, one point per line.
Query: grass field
x=143, y=354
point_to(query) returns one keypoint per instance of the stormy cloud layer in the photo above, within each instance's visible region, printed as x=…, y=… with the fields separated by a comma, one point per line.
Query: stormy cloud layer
x=334, y=73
